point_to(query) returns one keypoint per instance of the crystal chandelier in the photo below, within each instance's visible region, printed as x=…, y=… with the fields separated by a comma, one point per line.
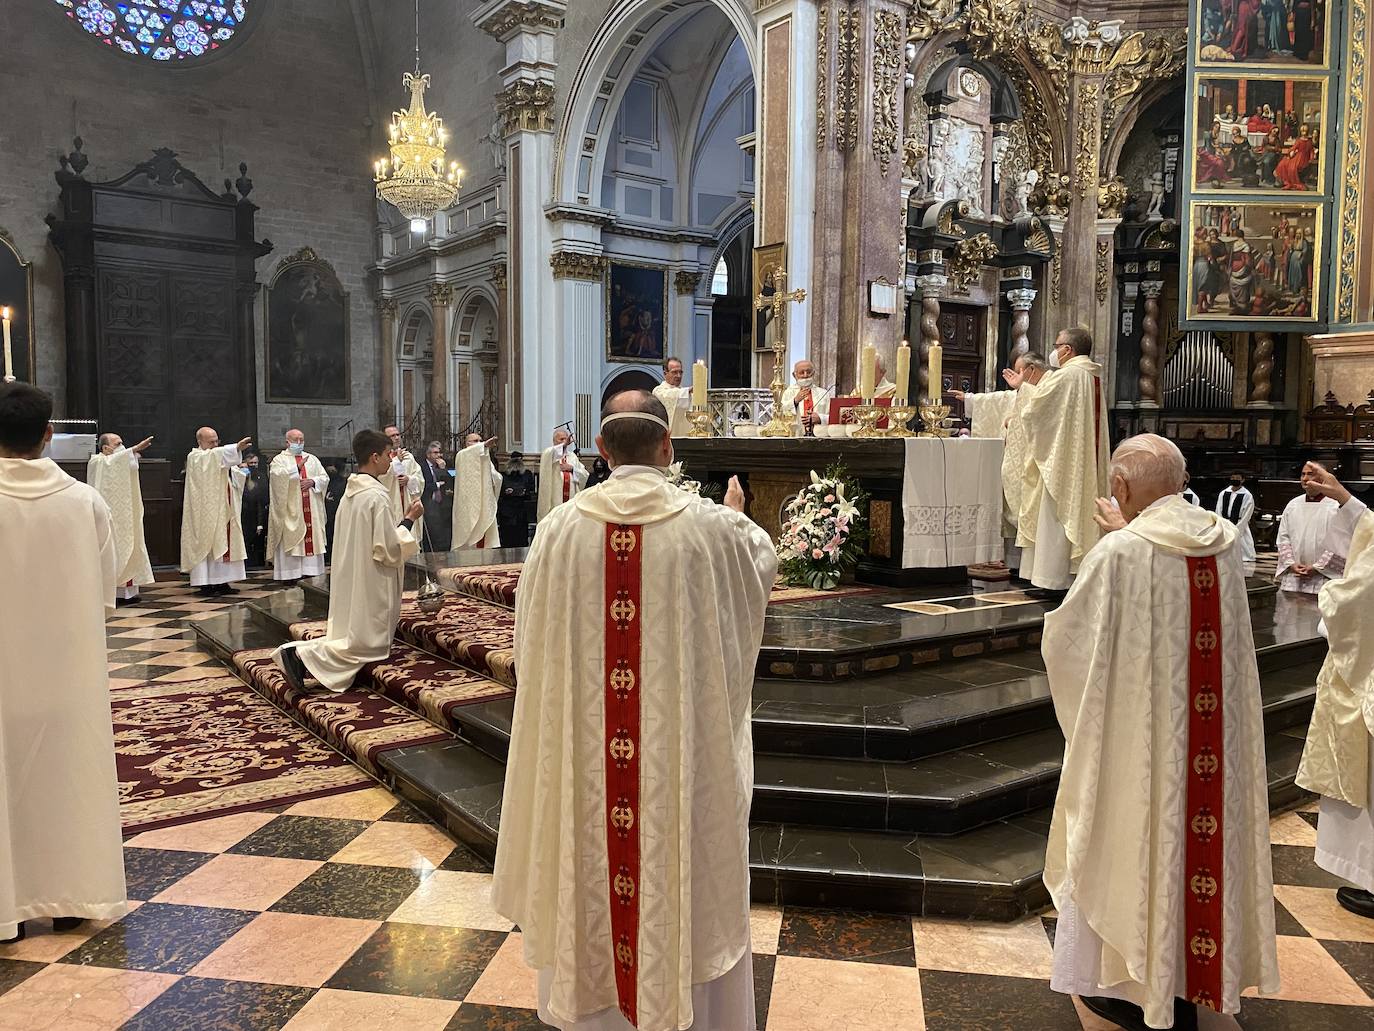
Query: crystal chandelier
x=414, y=178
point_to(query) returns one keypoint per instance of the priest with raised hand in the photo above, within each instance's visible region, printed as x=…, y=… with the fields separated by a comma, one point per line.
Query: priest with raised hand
x=675, y=397
x=62, y=855
x=296, y=517
x=113, y=472
x=1338, y=762
x=212, y=548
x=366, y=579
x=810, y=402
x=624, y=846
x=1158, y=856
x=1065, y=421
x=404, y=479
x=476, y=491
x=561, y=473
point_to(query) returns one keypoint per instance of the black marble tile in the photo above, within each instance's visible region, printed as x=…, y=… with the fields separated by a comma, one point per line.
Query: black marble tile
x=300, y=837
x=1051, y=925
x=983, y=1002
x=1294, y=864
x=472, y=1017
x=16, y=971
x=206, y=1004
x=143, y=672
x=1286, y=923
x=353, y=891
x=1311, y=819
x=403, y=812
x=148, y=871
x=464, y=860
x=847, y=936
x=764, y=966
x=1358, y=960
x=1272, y=1015
x=419, y=960
x=161, y=938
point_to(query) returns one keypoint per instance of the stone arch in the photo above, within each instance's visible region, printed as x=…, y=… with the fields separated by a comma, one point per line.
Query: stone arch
x=632, y=378
x=473, y=366
x=1141, y=102
x=414, y=361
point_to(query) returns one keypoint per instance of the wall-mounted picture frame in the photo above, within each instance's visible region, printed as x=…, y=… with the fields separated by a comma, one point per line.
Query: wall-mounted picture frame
x=1260, y=133
x=1255, y=262
x=16, y=294
x=766, y=260
x=1294, y=33
x=306, y=337
x=636, y=313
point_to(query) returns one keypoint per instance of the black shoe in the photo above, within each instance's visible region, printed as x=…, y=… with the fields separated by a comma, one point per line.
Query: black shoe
x=122, y=602
x=1185, y=1015
x=17, y=938
x=292, y=668
x=1357, y=900
x=1118, y=1012
x=207, y=591
x=67, y=923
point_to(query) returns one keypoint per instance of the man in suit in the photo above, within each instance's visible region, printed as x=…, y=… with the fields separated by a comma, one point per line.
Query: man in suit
x=438, y=498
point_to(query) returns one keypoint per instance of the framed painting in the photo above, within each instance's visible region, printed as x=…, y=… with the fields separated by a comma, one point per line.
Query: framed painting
x=766, y=261
x=16, y=294
x=1255, y=262
x=306, y=336
x=1267, y=32
x=1260, y=133
x=636, y=313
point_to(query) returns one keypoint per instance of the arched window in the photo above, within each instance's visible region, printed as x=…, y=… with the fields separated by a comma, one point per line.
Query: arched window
x=720, y=279
x=160, y=30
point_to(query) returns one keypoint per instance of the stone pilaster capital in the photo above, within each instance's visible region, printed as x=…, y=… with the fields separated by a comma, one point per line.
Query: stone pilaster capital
x=505, y=19
x=526, y=105
x=386, y=307
x=1152, y=288
x=932, y=285
x=1021, y=299
x=440, y=295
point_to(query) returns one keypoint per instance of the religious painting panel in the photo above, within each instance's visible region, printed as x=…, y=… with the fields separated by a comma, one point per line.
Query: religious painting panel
x=1259, y=133
x=767, y=260
x=307, y=344
x=1255, y=263
x=636, y=313
x=16, y=298
x=1268, y=32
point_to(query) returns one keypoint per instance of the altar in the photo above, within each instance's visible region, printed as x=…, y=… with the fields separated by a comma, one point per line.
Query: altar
x=935, y=503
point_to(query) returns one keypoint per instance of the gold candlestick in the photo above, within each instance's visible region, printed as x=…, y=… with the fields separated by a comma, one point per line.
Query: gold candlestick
x=898, y=416
x=868, y=416
x=932, y=415
x=783, y=422
x=700, y=418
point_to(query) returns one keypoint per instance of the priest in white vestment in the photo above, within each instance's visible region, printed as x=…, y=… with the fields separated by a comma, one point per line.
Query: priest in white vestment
x=884, y=387
x=1066, y=464
x=990, y=411
x=675, y=397
x=810, y=402
x=1305, y=564
x=1158, y=857
x=1237, y=504
x=623, y=853
x=561, y=474
x=296, y=517
x=212, y=548
x=1338, y=762
x=404, y=480
x=366, y=579
x=61, y=855
x=113, y=471
x=476, y=491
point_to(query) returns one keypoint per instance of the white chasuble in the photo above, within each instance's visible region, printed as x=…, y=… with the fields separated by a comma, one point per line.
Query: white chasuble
x=1338, y=760
x=557, y=487
x=1015, y=458
x=365, y=585
x=1303, y=531
x=1159, y=844
x=115, y=477
x=476, y=490
x=989, y=411
x=623, y=853
x=405, y=465
x=1067, y=451
x=212, y=549
x=813, y=400
x=676, y=400
x=296, y=519
x=60, y=848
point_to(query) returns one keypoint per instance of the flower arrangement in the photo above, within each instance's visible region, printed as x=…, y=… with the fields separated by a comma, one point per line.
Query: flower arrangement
x=825, y=531
x=679, y=479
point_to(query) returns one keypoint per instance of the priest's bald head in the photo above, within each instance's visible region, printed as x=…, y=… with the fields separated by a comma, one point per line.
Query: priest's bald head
x=1144, y=469
x=295, y=437
x=634, y=431
x=471, y=439
x=206, y=438
x=25, y=426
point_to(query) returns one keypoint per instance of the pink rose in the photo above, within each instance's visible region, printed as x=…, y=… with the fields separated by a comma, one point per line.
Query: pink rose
x=829, y=497
x=801, y=549
x=817, y=553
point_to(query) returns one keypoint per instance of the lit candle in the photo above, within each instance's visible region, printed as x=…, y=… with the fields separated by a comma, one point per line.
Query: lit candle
x=903, y=371
x=936, y=389
x=9, y=358
x=699, y=377
x=867, y=371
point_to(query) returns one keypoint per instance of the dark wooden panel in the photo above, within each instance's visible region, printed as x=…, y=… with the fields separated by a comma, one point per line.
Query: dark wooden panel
x=161, y=507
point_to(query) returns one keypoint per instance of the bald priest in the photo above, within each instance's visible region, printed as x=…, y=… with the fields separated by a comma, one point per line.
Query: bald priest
x=113, y=471
x=212, y=548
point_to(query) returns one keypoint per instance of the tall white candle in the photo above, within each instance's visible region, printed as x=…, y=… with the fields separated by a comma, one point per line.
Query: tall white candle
x=903, y=371
x=9, y=357
x=936, y=389
x=699, y=381
x=867, y=372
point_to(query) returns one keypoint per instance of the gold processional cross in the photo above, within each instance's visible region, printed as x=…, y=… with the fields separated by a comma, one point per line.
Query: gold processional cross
x=781, y=425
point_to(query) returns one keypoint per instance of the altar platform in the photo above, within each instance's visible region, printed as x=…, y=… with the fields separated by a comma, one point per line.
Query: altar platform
x=907, y=753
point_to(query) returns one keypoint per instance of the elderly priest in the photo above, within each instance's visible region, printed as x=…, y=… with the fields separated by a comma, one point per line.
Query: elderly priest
x=561, y=473
x=675, y=397
x=61, y=856
x=296, y=517
x=1338, y=762
x=113, y=471
x=1158, y=857
x=212, y=548
x=623, y=853
x=476, y=491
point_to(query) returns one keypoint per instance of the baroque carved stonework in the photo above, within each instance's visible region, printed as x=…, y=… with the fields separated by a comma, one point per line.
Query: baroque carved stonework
x=498, y=276
x=928, y=17
x=995, y=26
x=1104, y=268
x=1057, y=276
x=1085, y=162
x=1053, y=194
x=1352, y=160
x=440, y=295
x=576, y=265
x=822, y=73
x=849, y=23
x=686, y=282
x=1140, y=59
x=516, y=16
x=526, y=106
x=888, y=48
x=966, y=264
x=1111, y=197
x=387, y=307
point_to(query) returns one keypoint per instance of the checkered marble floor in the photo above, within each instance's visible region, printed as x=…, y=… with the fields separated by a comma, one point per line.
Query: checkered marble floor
x=353, y=913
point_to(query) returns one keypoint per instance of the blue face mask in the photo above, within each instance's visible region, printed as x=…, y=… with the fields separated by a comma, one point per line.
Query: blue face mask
x=296, y=449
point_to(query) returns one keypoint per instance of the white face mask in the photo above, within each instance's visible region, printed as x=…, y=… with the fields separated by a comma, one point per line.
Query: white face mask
x=1054, y=358
x=805, y=381
x=117, y=449
x=296, y=449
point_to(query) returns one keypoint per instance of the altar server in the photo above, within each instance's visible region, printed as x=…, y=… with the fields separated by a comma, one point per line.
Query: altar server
x=1305, y=564
x=561, y=473
x=113, y=471
x=1066, y=465
x=1237, y=504
x=476, y=492
x=296, y=517
x=366, y=579
x=1158, y=857
x=675, y=397
x=810, y=402
x=623, y=854
x=212, y=548
x=59, y=557
x=1338, y=762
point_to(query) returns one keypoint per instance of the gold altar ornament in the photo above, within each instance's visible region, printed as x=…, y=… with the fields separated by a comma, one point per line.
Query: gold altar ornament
x=933, y=416
x=782, y=422
x=898, y=416
x=700, y=418
x=868, y=417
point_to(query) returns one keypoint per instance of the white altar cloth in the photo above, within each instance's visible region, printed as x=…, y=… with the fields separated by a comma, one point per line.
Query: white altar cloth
x=951, y=502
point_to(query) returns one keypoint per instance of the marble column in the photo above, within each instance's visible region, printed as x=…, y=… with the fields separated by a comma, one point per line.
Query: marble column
x=1151, y=360
x=1100, y=319
x=507, y=399
x=440, y=297
x=683, y=342
x=579, y=270
x=931, y=284
x=386, y=401
x=1020, y=300
x=1261, y=369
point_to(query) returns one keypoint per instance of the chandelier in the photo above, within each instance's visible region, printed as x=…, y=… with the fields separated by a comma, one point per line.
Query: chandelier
x=415, y=178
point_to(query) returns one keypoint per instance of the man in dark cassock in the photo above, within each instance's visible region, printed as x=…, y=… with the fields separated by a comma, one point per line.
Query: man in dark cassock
x=515, y=507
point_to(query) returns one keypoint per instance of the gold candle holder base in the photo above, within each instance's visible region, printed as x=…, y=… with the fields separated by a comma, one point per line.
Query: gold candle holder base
x=700, y=418
x=784, y=425
x=932, y=415
x=868, y=416
x=897, y=418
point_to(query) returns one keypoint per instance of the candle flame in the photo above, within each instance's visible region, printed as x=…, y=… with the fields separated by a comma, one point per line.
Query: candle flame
x=5, y=314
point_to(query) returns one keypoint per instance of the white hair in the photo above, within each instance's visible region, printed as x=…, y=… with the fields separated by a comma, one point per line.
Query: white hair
x=1150, y=464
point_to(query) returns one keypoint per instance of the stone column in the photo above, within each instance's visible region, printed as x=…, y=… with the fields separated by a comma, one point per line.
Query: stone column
x=1020, y=300
x=440, y=297
x=1099, y=318
x=1151, y=360
x=683, y=314
x=507, y=398
x=931, y=284
x=386, y=401
x=1261, y=369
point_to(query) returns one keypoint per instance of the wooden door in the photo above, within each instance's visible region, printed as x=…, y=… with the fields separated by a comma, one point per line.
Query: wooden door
x=961, y=337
